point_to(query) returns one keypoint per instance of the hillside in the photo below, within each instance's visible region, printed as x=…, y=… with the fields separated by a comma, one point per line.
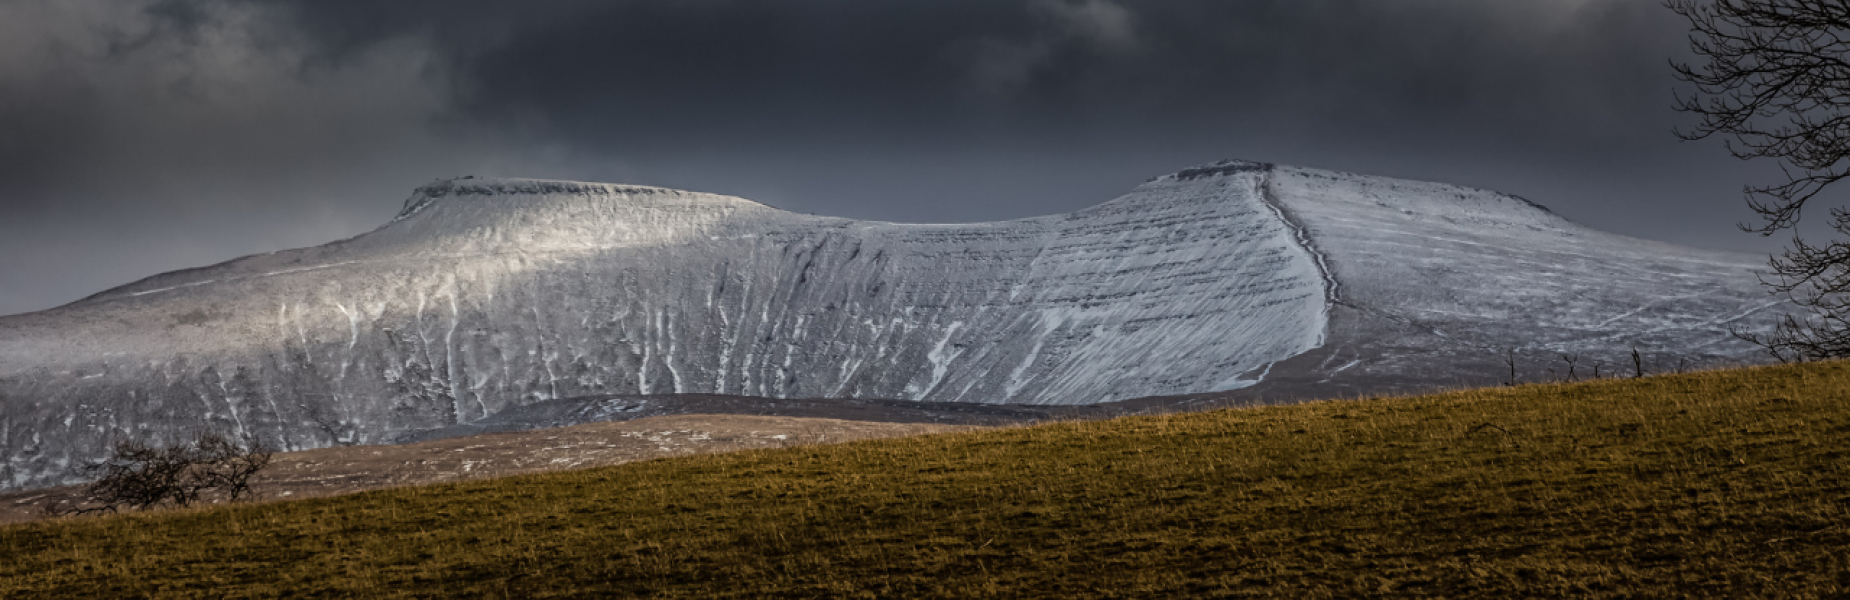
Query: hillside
x=1246, y=281
x=1717, y=484
x=349, y=469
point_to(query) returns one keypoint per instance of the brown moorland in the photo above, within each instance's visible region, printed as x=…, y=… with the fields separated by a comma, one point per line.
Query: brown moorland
x=1717, y=484
x=347, y=469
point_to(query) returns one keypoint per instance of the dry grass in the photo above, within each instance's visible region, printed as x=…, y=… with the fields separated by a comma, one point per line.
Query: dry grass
x=1729, y=483
x=348, y=469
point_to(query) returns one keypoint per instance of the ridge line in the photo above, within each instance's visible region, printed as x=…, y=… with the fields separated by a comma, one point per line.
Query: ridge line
x=1332, y=289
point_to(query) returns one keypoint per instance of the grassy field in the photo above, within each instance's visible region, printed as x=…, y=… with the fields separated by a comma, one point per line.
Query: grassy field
x=1729, y=483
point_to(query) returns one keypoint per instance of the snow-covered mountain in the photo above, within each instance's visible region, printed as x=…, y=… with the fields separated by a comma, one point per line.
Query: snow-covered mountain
x=484, y=295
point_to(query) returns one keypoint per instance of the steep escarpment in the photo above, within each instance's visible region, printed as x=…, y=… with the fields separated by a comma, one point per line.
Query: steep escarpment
x=489, y=294
x=1232, y=282
x=1435, y=285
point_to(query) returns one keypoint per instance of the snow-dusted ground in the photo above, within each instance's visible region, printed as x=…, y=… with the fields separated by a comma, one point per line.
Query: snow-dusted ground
x=484, y=295
x=1436, y=285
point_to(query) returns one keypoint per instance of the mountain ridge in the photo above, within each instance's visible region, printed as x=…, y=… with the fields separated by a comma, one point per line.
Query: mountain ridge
x=1245, y=280
x=462, y=186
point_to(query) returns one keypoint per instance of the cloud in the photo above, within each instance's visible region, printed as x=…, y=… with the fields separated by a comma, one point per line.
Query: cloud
x=125, y=121
x=145, y=88
x=1003, y=67
x=143, y=135
x=1102, y=24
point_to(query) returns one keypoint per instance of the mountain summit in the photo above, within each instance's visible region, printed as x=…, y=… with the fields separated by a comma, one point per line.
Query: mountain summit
x=489, y=294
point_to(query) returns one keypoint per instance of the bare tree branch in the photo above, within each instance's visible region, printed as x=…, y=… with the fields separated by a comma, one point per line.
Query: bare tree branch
x=141, y=476
x=1774, y=82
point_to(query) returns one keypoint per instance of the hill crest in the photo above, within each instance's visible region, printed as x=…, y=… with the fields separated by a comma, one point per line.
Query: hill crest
x=1236, y=280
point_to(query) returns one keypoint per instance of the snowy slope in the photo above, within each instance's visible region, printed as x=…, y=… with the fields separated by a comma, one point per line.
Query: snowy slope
x=1438, y=285
x=487, y=295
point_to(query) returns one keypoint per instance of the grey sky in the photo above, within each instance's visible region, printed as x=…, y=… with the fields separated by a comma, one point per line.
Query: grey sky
x=138, y=136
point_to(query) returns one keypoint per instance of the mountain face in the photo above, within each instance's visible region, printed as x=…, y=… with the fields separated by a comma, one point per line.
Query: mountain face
x=486, y=295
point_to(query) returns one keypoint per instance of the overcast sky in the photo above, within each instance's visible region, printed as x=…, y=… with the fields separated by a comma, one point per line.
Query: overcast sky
x=139, y=136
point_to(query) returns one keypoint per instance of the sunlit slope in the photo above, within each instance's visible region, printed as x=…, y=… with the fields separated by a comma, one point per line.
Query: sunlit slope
x=1718, y=484
x=490, y=294
x=1252, y=281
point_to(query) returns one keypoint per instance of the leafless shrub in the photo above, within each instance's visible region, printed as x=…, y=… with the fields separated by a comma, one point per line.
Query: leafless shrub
x=141, y=476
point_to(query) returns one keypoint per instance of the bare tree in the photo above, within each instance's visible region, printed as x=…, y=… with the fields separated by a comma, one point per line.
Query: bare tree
x=141, y=476
x=1773, y=81
x=226, y=467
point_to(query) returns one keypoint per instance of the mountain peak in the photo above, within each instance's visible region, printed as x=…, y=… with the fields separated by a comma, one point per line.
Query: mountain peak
x=473, y=186
x=1263, y=281
x=1229, y=166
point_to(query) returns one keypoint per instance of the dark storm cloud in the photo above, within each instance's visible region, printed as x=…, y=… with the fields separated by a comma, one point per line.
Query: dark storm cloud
x=142, y=136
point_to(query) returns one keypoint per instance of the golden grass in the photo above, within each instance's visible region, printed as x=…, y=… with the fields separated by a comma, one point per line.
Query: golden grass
x=1727, y=483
